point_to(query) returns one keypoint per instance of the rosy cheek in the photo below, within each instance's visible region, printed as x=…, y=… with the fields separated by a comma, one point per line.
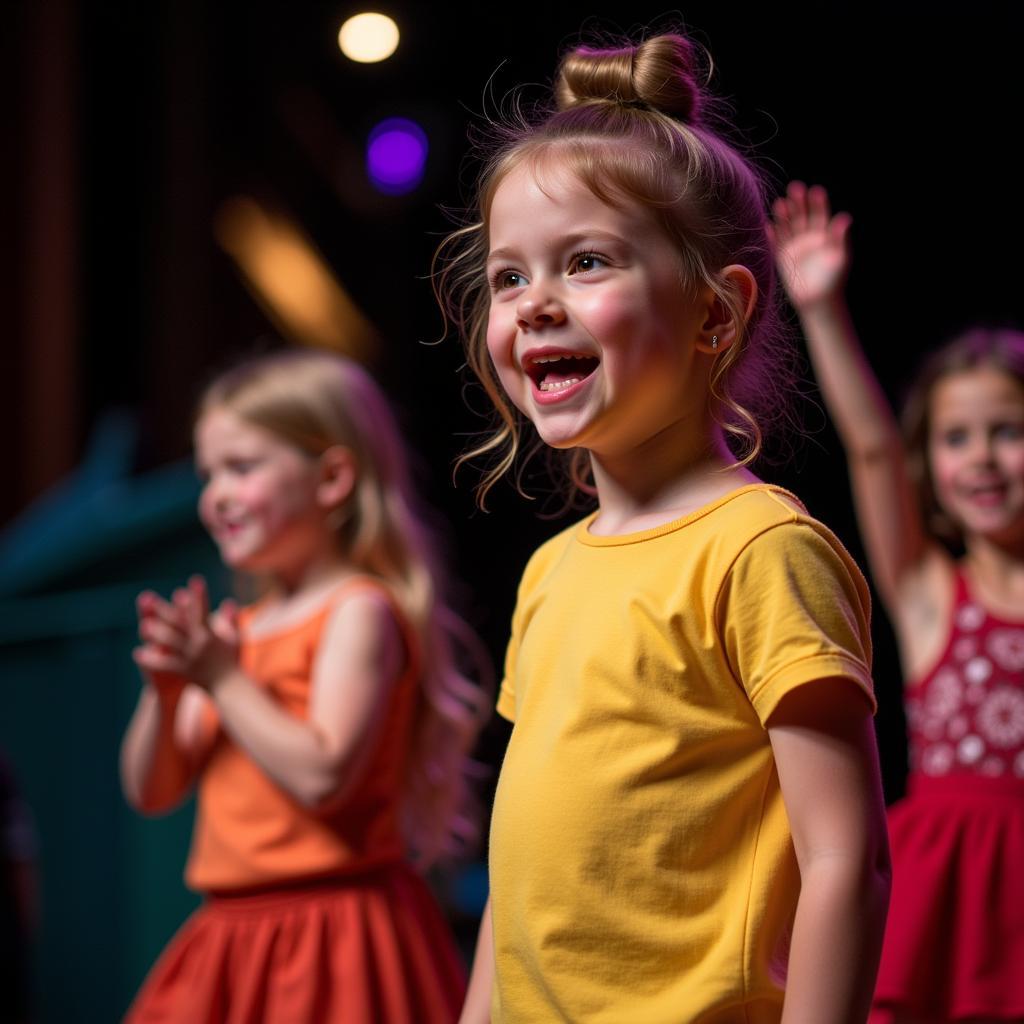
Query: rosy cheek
x=500, y=348
x=498, y=338
x=205, y=507
x=938, y=466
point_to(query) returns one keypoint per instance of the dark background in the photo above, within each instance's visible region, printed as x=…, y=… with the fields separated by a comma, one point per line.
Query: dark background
x=127, y=125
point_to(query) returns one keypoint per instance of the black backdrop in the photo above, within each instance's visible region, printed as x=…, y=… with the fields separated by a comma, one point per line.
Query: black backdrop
x=907, y=112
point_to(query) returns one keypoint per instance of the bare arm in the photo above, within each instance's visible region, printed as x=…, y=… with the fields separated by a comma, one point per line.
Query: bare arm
x=477, y=1008
x=160, y=752
x=316, y=760
x=827, y=761
x=162, y=748
x=812, y=253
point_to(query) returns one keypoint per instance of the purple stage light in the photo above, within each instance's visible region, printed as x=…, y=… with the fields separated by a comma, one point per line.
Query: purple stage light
x=396, y=154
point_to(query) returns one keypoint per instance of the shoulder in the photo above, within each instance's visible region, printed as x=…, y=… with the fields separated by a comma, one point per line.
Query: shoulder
x=793, y=607
x=923, y=608
x=758, y=507
x=364, y=634
x=762, y=528
x=774, y=522
x=782, y=551
x=927, y=587
x=364, y=609
x=550, y=553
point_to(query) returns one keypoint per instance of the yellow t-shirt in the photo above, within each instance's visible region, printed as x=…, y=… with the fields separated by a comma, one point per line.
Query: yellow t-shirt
x=642, y=870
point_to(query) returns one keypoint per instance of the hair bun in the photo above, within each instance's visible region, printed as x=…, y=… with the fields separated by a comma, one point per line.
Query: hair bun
x=658, y=73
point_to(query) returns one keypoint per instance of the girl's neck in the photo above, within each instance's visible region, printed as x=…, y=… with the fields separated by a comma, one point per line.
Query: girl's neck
x=319, y=569
x=996, y=570
x=668, y=478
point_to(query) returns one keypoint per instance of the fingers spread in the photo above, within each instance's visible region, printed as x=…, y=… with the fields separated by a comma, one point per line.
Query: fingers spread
x=200, y=597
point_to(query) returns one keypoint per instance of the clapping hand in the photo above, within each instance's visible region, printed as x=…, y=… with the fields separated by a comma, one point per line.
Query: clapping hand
x=182, y=640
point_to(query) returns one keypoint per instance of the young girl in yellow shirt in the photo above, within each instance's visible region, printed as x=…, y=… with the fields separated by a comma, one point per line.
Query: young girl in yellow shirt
x=688, y=824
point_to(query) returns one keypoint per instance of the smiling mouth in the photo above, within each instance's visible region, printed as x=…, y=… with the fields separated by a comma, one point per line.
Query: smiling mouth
x=557, y=372
x=987, y=494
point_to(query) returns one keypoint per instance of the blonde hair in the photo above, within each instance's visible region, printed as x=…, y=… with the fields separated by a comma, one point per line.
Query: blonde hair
x=314, y=401
x=630, y=124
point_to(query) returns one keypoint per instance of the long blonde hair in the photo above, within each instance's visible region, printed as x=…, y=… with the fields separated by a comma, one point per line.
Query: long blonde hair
x=631, y=124
x=314, y=401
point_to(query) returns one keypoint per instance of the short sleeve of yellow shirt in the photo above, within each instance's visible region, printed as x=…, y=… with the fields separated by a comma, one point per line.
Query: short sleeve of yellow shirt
x=641, y=862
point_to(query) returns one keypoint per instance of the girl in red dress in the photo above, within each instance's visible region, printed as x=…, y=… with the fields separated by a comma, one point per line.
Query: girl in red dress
x=954, y=946
x=327, y=726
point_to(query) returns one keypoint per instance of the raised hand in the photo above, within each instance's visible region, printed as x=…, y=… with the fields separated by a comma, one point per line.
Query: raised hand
x=811, y=245
x=153, y=613
x=181, y=638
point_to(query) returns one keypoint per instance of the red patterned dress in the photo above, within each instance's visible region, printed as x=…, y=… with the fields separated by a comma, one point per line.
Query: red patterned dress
x=954, y=944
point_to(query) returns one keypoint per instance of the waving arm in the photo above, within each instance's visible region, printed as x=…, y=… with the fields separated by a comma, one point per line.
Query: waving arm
x=813, y=256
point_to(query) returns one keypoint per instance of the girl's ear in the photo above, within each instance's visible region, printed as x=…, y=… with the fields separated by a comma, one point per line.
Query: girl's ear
x=721, y=327
x=338, y=471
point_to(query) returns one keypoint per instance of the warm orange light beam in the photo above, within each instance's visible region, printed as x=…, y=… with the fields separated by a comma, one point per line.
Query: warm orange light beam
x=291, y=280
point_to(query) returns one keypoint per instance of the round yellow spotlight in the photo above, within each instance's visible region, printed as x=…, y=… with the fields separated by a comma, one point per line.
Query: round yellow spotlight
x=368, y=38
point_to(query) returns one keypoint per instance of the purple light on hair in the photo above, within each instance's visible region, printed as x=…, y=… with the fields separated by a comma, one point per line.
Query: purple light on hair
x=396, y=154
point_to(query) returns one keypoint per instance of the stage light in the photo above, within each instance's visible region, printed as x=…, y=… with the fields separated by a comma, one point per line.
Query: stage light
x=396, y=154
x=368, y=37
x=291, y=280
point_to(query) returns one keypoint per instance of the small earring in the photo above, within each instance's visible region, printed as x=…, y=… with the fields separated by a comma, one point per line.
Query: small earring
x=714, y=342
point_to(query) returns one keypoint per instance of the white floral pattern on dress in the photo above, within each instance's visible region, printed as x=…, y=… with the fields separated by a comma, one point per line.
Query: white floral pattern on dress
x=967, y=715
x=978, y=669
x=1007, y=648
x=970, y=749
x=970, y=617
x=944, y=695
x=1001, y=717
x=937, y=759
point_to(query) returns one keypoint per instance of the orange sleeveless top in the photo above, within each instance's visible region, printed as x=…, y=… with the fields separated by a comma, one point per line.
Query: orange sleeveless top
x=248, y=831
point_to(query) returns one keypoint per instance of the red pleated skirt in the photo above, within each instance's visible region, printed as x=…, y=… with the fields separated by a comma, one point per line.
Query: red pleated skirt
x=372, y=950
x=954, y=942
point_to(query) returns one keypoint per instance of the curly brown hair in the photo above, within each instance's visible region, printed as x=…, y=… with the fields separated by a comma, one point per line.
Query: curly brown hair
x=633, y=123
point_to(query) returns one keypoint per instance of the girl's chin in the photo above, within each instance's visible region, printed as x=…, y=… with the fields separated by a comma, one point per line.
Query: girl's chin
x=563, y=436
x=997, y=526
x=239, y=561
x=561, y=444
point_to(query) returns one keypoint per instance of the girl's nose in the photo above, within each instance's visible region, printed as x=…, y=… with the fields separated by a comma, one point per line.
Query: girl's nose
x=214, y=495
x=983, y=449
x=538, y=308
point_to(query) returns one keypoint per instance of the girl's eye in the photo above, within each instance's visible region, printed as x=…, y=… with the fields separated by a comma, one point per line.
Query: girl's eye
x=1013, y=431
x=954, y=437
x=242, y=466
x=505, y=280
x=583, y=262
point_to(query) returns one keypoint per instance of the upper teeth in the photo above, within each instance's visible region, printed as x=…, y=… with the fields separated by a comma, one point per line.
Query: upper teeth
x=550, y=359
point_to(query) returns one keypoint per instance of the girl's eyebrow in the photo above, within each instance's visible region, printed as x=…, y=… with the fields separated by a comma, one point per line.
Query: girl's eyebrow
x=568, y=242
x=500, y=254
